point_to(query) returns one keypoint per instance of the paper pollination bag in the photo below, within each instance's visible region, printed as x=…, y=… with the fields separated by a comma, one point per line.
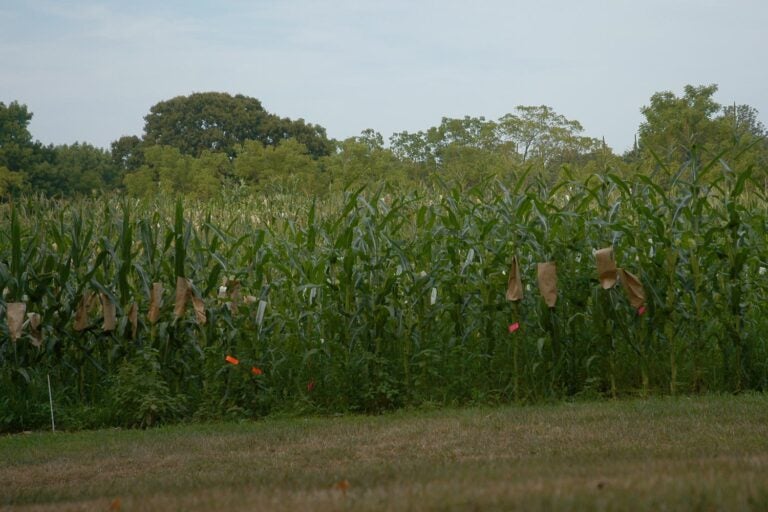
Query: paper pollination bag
x=233, y=290
x=35, y=332
x=633, y=288
x=155, y=301
x=515, y=283
x=183, y=291
x=133, y=319
x=83, y=309
x=15, y=312
x=110, y=313
x=606, y=268
x=547, y=274
x=199, y=306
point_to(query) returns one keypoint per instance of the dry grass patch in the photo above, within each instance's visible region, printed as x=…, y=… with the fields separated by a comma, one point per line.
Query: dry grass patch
x=705, y=453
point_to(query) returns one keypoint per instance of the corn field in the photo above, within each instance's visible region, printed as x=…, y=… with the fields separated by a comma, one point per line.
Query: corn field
x=141, y=313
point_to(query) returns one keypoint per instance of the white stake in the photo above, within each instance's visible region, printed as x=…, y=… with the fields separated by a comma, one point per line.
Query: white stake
x=50, y=399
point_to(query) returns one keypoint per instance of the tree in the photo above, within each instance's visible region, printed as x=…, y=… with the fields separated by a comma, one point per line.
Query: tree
x=69, y=170
x=364, y=160
x=219, y=122
x=460, y=149
x=17, y=151
x=695, y=128
x=10, y=182
x=677, y=128
x=167, y=171
x=538, y=132
x=471, y=148
x=127, y=153
x=287, y=166
x=747, y=136
x=312, y=136
x=742, y=122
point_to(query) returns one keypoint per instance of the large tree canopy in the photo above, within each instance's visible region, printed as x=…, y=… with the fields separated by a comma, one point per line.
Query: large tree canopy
x=694, y=126
x=219, y=122
x=16, y=146
x=200, y=144
x=473, y=147
x=75, y=169
x=676, y=127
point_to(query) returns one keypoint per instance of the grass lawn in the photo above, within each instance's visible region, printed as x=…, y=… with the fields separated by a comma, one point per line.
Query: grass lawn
x=702, y=453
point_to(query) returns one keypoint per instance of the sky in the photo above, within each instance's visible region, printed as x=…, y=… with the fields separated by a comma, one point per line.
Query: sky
x=89, y=71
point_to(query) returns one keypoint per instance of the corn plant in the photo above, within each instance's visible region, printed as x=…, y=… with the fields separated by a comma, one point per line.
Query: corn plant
x=373, y=299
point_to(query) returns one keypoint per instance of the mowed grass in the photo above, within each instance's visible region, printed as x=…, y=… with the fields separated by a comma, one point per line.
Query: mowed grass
x=702, y=453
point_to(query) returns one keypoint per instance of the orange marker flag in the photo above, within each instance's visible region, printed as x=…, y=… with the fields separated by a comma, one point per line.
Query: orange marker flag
x=256, y=371
x=343, y=486
x=232, y=360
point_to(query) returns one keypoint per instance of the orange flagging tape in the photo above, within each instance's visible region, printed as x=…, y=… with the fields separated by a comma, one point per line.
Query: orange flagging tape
x=255, y=370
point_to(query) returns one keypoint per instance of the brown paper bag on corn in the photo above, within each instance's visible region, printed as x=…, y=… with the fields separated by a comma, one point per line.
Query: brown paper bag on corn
x=199, y=306
x=515, y=283
x=35, y=332
x=547, y=274
x=15, y=314
x=606, y=268
x=83, y=310
x=633, y=288
x=183, y=292
x=110, y=314
x=155, y=301
x=133, y=318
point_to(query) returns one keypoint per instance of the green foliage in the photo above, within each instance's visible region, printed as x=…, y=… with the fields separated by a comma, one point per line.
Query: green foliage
x=373, y=278
x=127, y=153
x=77, y=169
x=287, y=167
x=219, y=122
x=16, y=146
x=140, y=395
x=197, y=145
x=540, y=134
x=10, y=181
x=166, y=171
x=373, y=300
x=675, y=127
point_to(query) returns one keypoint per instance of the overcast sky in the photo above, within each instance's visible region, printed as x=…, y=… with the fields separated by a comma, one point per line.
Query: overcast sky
x=90, y=71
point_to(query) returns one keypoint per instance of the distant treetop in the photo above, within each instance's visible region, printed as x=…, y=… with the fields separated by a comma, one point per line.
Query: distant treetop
x=218, y=122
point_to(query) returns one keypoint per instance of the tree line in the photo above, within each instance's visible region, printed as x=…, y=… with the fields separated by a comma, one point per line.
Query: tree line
x=197, y=145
